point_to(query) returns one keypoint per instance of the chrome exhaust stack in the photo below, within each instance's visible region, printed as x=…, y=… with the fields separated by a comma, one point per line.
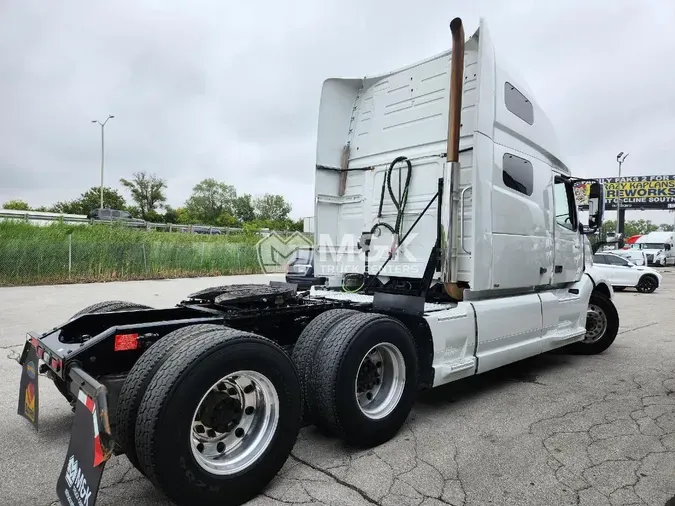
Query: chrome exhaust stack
x=448, y=208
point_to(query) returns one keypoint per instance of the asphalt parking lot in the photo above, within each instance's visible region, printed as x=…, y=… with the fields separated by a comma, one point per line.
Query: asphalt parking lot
x=556, y=429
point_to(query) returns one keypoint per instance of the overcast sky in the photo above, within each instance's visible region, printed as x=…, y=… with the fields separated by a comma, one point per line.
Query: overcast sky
x=211, y=88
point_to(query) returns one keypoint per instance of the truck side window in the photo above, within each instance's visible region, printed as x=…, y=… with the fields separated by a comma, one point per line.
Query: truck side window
x=517, y=173
x=564, y=214
x=518, y=103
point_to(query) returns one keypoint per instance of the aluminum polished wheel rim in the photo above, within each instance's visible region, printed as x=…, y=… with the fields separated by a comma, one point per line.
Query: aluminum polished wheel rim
x=596, y=324
x=380, y=381
x=234, y=422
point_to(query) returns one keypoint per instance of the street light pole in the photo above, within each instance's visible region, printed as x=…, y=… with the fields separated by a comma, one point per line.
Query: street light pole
x=110, y=116
x=620, y=159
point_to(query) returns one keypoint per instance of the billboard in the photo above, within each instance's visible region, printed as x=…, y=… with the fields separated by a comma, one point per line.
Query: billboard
x=636, y=192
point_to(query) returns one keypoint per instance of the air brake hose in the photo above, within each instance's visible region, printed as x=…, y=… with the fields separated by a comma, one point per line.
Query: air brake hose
x=399, y=204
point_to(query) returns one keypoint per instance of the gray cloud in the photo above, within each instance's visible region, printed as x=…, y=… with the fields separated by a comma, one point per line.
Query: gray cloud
x=216, y=89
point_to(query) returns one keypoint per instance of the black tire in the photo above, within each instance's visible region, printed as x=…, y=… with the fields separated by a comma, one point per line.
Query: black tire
x=109, y=306
x=610, y=332
x=137, y=381
x=647, y=284
x=337, y=364
x=164, y=422
x=304, y=352
x=619, y=288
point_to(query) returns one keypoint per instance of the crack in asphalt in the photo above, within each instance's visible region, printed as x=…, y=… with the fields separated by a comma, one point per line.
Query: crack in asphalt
x=413, y=480
x=638, y=328
x=348, y=485
x=617, y=452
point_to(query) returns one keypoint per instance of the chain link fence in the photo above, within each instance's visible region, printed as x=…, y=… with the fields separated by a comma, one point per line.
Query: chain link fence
x=28, y=262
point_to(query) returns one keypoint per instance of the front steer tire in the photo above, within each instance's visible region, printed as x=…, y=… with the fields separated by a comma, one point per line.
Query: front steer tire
x=138, y=379
x=164, y=425
x=604, y=341
x=338, y=362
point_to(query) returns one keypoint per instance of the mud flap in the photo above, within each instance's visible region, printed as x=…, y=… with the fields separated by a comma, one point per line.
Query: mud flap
x=29, y=392
x=80, y=476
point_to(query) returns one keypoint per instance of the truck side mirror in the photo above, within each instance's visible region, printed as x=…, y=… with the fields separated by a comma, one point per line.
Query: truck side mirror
x=596, y=207
x=667, y=247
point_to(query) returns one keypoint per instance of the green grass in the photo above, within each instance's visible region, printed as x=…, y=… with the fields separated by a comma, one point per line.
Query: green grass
x=31, y=254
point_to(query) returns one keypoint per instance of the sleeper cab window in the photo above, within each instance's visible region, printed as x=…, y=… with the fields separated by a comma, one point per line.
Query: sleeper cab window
x=518, y=174
x=518, y=104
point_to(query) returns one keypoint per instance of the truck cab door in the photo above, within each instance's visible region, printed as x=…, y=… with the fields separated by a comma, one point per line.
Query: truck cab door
x=568, y=258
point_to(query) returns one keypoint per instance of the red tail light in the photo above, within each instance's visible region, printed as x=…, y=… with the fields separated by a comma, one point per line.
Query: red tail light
x=56, y=365
x=124, y=342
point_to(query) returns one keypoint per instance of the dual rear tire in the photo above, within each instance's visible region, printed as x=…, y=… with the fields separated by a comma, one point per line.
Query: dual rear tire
x=360, y=375
x=210, y=414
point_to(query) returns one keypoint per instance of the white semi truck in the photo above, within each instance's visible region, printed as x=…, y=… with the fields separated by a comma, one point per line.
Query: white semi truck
x=658, y=247
x=447, y=229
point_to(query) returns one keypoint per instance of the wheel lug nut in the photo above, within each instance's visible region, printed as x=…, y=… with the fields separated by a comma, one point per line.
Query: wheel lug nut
x=249, y=410
x=239, y=432
x=369, y=396
x=248, y=389
x=200, y=448
x=220, y=447
x=377, y=381
x=221, y=386
x=231, y=391
x=199, y=429
x=211, y=433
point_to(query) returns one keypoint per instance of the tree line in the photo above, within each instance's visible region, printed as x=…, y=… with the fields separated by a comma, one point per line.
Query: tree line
x=211, y=202
x=634, y=227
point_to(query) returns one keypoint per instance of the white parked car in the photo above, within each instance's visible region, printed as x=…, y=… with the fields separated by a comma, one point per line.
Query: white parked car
x=637, y=256
x=622, y=273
